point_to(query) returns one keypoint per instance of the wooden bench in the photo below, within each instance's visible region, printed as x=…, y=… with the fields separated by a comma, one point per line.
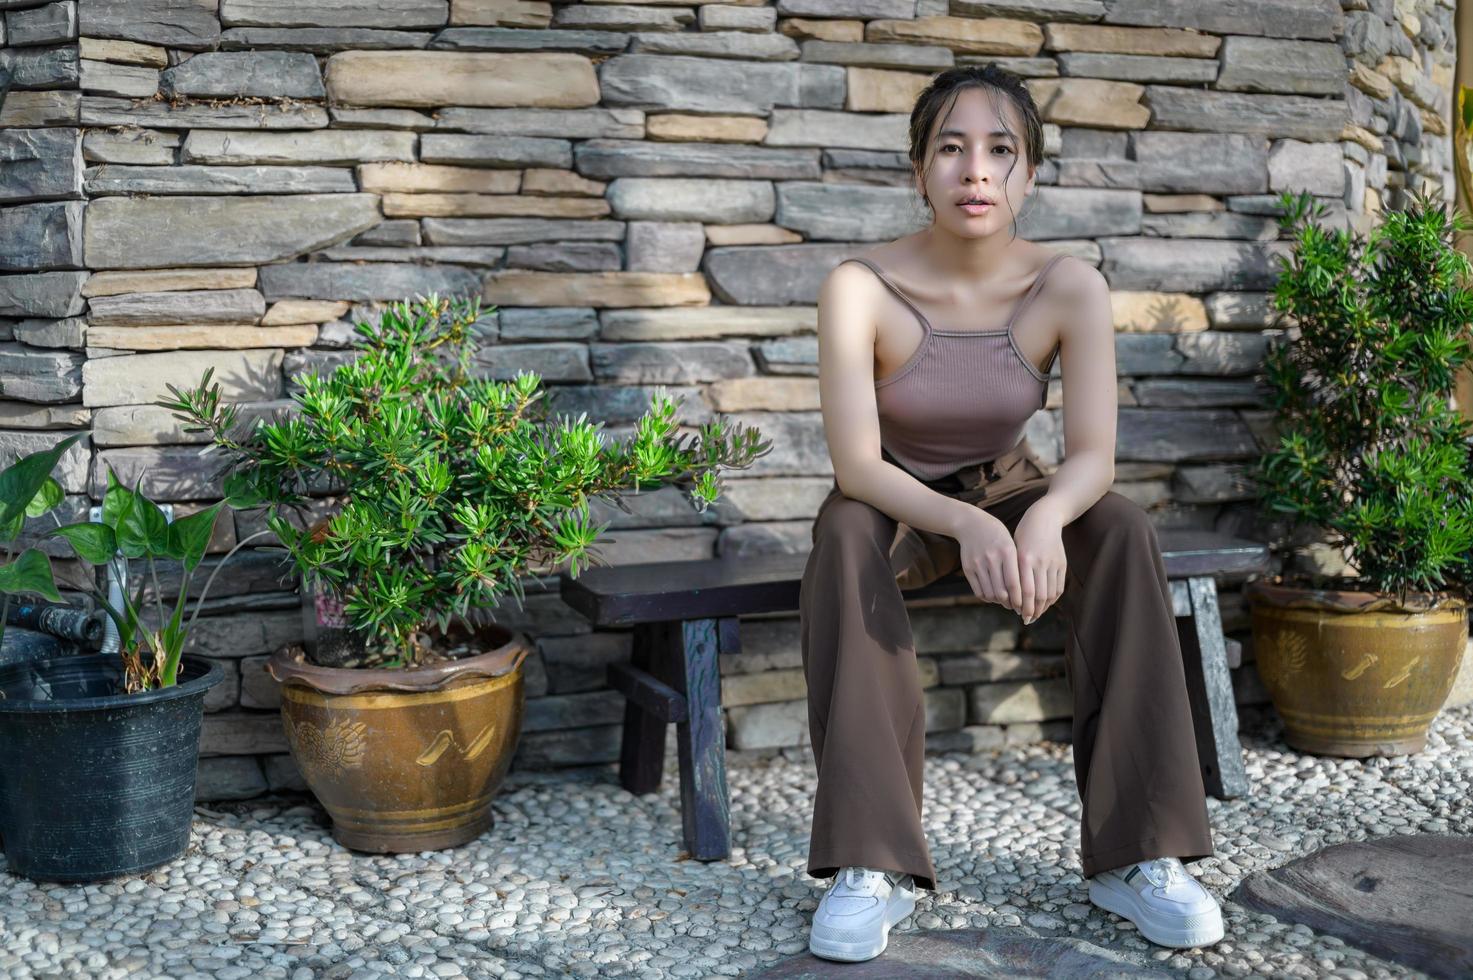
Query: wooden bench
x=684, y=615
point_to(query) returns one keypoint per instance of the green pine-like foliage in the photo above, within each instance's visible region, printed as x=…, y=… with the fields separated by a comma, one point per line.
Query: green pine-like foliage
x=1372, y=451
x=451, y=485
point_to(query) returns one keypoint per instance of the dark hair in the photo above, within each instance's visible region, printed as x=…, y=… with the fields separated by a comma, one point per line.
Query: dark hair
x=940, y=97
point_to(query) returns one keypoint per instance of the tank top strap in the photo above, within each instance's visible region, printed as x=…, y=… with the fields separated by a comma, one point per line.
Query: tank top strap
x=1032, y=291
x=926, y=324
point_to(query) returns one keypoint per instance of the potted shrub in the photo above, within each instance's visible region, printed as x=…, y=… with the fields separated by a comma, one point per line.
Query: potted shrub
x=1373, y=456
x=98, y=774
x=404, y=714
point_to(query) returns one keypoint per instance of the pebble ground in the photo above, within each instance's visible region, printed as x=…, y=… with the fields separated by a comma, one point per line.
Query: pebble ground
x=578, y=878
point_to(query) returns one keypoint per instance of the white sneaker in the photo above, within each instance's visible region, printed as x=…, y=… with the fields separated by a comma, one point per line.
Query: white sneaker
x=1164, y=901
x=853, y=919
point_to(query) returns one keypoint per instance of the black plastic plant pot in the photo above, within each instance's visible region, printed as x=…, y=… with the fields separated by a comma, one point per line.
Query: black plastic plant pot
x=96, y=784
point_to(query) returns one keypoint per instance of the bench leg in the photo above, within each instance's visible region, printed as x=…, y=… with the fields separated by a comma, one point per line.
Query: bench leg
x=642, y=751
x=692, y=649
x=1210, y=689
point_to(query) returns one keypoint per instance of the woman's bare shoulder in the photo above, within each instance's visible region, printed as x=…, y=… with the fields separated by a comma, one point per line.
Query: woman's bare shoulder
x=1074, y=276
x=849, y=272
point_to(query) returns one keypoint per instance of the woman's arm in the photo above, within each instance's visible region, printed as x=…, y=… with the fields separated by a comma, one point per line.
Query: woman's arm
x=846, y=392
x=1087, y=362
x=1087, y=358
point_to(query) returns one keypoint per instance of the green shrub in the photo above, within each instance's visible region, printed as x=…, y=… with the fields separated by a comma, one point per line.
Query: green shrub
x=451, y=486
x=1371, y=450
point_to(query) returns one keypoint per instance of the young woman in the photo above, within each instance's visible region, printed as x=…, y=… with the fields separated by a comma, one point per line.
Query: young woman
x=934, y=352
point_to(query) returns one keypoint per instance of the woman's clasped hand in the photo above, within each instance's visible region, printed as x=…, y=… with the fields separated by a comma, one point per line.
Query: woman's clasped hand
x=1023, y=571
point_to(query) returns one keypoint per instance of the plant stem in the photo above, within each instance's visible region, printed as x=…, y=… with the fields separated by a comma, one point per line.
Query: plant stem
x=199, y=603
x=158, y=593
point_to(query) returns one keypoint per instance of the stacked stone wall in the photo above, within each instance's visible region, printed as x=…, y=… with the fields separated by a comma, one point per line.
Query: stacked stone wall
x=651, y=195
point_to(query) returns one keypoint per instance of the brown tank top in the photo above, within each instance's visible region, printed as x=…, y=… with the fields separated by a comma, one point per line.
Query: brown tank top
x=963, y=397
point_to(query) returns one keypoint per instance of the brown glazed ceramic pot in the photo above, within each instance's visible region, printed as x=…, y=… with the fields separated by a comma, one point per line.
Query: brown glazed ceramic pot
x=407, y=760
x=1356, y=673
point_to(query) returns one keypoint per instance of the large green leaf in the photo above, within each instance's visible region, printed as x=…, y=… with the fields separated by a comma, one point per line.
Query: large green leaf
x=31, y=572
x=116, y=502
x=142, y=527
x=94, y=543
x=46, y=498
x=189, y=537
x=23, y=479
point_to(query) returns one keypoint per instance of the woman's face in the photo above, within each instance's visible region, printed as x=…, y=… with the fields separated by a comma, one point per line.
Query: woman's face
x=970, y=156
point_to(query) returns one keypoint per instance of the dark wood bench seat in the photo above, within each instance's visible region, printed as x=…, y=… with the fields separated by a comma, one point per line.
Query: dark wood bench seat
x=684, y=615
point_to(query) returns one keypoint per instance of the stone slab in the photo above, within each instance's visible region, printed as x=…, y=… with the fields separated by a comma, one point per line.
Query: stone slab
x=98, y=110
x=1275, y=18
x=43, y=235
x=514, y=231
x=419, y=178
x=193, y=179
x=592, y=42
x=23, y=415
x=149, y=425
x=40, y=109
x=53, y=294
x=346, y=147
x=167, y=280
x=46, y=376
x=365, y=281
x=70, y=332
x=444, y=78
x=189, y=24
x=1297, y=116
x=200, y=337
x=292, y=312
x=146, y=233
x=970, y=953
x=334, y=13
x=1403, y=898
x=53, y=23
x=324, y=39
x=135, y=147
x=124, y=81
x=236, y=306
x=123, y=52
x=231, y=74
x=137, y=379
x=41, y=68
x=709, y=85
x=40, y=164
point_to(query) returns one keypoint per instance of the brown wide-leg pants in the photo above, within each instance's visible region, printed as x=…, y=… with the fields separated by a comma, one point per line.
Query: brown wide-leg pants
x=1135, y=755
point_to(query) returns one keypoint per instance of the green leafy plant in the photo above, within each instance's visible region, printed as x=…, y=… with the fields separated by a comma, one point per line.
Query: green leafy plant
x=449, y=486
x=27, y=489
x=132, y=526
x=1371, y=450
x=135, y=527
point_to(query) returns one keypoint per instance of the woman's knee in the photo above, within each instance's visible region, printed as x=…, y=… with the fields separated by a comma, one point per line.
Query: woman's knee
x=1116, y=513
x=848, y=519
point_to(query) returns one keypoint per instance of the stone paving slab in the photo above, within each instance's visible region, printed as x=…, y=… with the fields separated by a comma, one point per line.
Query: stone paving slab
x=1405, y=898
x=579, y=878
x=964, y=954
